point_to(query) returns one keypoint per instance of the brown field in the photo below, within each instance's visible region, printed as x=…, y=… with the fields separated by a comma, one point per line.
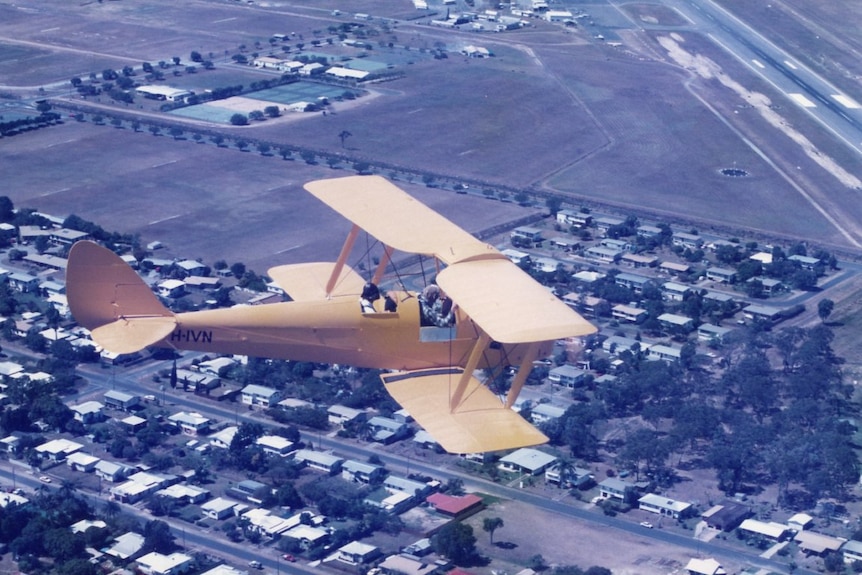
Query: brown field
x=618, y=126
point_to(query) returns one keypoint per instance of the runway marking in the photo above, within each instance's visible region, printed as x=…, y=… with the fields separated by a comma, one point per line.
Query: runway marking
x=50, y=29
x=802, y=101
x=164, y=164
x=61, y=143
x=416, y=110
x=290, y=249
x=846, y=101
x=154, y=222
x=790, y=65
x=758, y=64
x=54, y=192
x=224, y=20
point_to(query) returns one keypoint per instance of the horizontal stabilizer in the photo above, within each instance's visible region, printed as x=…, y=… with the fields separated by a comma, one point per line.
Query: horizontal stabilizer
x=307, y=282
x=480, y=423
x=131, y=335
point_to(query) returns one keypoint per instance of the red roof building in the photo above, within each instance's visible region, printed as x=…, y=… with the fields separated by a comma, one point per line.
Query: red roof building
x=452, y=506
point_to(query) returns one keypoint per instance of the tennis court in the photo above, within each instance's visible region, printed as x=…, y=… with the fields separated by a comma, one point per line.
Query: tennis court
x=220, y=111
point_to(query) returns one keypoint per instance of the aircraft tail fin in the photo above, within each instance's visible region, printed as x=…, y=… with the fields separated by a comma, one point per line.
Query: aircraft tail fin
x=107, y=297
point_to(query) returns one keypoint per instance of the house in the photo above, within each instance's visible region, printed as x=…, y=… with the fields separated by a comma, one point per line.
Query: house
x=574, y=476
x=216, y=365
x=604, y=223
x=648, y=231
x=770, y=530
x=220, y=508
x=634, y=282
x=185, y=494
x=457, y=506
x=172, y=288
x=571, y=218
x=275, y=445
x=357, y=553
x=112, y=471
x=762, y=312
x=121, y=400
x=359, y=472
x=616, y=344
x=628, y=313
x=21, y=282
x=665, y=506
x=852, y=551
x=141, y=485
x=406, y=565
x=674, y=269
x=339, y=414
x=318, y=460
x=385, y=430
x=805, y=262
x=527, y=460
x=721, y=275
x=567, y=376
x=425, y=440
x=395, y=503
x=191, y=267
x=727, y=516
x=638, y=261
x=602, y=255
x=676, y=323
x=154, y=563
x=812, y=543
x=527, y=234
x=673, y=291
x=393, y=483
x=685, y=240
x=126, y=546
x=224, y=437
x=254, y=394
x=615, y=488
x=615, y=244
x=80, y=461
x=587, y=278
x=710, y=332
x=515, y=256
x=88, y=412
x=800, y=522
x=58, y=449
x=544, y=412
x=191, y=423
x=247, y=488
x=665, y=352
x=133, y=423
x=308, y=536
x=707, y=566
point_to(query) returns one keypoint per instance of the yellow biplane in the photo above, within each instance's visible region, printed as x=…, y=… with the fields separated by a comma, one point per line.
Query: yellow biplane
x=497, y=316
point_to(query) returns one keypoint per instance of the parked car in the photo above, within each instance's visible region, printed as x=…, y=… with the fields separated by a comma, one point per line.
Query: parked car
x=255, y=564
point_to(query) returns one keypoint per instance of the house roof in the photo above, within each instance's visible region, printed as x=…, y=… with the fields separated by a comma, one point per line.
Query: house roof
x=529, y=458
x=453, y=505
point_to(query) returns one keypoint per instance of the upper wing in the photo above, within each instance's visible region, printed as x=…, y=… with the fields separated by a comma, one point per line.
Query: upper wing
x=397, y=219
x=508, y=304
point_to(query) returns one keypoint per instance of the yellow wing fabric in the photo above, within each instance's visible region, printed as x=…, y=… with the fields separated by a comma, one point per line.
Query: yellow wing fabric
x=397, y=219
x=307, y=282
x=508, y=304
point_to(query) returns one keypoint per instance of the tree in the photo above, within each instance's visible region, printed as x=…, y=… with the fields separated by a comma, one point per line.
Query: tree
x=256, y=115
x=176, y=132
x=456, y=542
x=553, y=204
x=272, y=111
x=824, y=309
x=158, y=537
x=491, y=524
x=176, y=60
x=196, y=56
x=343, y=136
x=263, y=148
x=239, y=120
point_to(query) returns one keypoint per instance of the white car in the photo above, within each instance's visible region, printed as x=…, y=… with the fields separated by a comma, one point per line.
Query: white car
x=45, y=479
x=646, y=524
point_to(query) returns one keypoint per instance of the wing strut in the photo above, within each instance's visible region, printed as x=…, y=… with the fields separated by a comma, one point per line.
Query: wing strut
x=475, y=355
x=523, y=372
x=342, y=257
x=381, y=267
